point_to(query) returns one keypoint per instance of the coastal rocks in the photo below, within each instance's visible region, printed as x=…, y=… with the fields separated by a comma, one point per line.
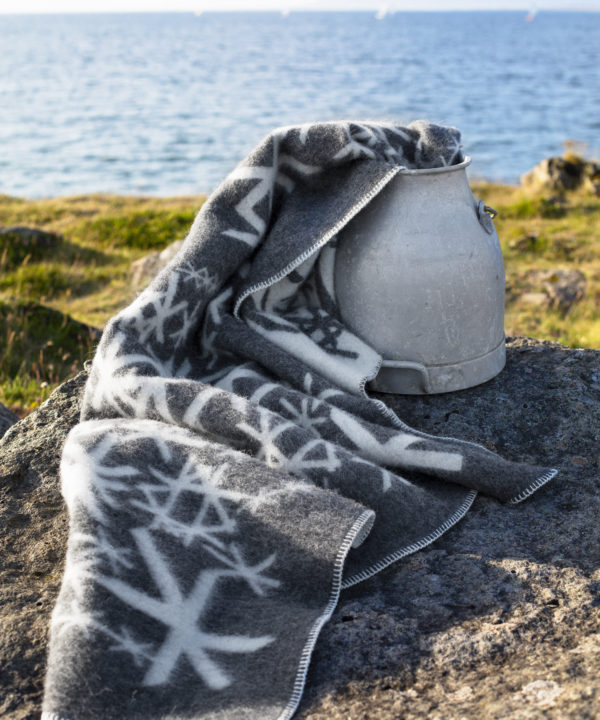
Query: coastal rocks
x=564, y=287
x=7, y=418
x=591, y=182
x=146, y=268
x=500, y=618
x=558, y=174
x=560, y=288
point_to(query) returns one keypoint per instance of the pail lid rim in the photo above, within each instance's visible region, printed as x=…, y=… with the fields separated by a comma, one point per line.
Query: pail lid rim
x=437, y=170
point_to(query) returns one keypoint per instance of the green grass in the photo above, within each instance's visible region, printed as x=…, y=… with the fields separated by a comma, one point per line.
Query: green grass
x=81, y=276
x=139, y=229
x=85, y=273
x=39, y=348
x=539, y=233
x=527, y=207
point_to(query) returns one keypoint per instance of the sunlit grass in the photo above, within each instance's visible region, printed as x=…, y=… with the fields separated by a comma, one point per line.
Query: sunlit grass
x=83, y=272
x=146, y=229
x=39, y=348
x=86, y=273
x=538, y=233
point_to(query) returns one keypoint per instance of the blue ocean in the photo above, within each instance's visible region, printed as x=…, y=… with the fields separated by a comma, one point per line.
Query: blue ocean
x=169, y=103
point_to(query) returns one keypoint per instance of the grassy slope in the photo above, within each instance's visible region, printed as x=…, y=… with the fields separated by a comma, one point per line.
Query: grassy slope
x=87, y=274
x=539, y=233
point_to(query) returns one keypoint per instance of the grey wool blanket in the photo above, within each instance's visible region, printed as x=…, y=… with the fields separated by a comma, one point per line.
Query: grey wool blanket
x=230, y=474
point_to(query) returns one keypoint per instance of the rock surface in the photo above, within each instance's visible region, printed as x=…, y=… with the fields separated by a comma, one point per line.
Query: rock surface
x=33, y=533
x=498, y=619
x=559, y=288
x=557, y=174
x=147, y=268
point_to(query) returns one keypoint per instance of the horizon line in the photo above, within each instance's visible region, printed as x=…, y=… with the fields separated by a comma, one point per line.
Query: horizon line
x=289, y=11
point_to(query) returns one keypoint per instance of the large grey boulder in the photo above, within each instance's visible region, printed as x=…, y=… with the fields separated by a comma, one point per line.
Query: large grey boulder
x=500, y=618
x=33, y=533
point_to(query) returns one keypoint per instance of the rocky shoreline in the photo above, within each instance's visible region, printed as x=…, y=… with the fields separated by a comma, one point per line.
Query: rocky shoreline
x=500, y=618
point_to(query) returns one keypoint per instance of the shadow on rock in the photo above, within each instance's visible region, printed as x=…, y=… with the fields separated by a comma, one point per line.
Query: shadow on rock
x=501, y=616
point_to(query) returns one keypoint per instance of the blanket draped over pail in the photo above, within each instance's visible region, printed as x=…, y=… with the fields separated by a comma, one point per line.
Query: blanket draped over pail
x=230, y=475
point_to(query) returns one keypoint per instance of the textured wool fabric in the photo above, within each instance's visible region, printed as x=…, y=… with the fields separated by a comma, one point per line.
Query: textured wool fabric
x=230, y=474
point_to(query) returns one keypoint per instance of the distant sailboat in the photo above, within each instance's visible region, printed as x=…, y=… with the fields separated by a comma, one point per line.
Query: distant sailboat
x=285, y=12
x=530, y=17
x=382, y=12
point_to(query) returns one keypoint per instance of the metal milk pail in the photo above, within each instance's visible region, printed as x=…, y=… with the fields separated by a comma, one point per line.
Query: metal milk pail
x=419, y=276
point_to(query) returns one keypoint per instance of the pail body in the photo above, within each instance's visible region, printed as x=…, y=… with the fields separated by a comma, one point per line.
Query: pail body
x=419, y=276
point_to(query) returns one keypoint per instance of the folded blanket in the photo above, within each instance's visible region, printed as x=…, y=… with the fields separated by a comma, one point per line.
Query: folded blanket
x=230, y=474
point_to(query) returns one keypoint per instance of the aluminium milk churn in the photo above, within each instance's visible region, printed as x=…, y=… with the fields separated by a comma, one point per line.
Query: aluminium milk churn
x=419, y=276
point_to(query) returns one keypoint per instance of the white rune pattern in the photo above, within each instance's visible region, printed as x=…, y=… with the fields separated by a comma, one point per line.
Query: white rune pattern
x=215, y=311
x=270, y=427
x=453, y=145
x=205, y=285
x=200, y=277
x=125, y=642
x=359, y=144
x=326, y=394
x=89, y=481
x=153, y=309
x=194, y=477
x=115, y=374
x=182, y=614
x=316, y=454
x=94, y=557
x=267, y=176
x=269, y=496
x=311, y=411
x=363, y=139
x=99, y=548
x=75, y=617
x=307, y=415
x=396, y=449
x=387, y=478
x=245, y=207
x=188, y=321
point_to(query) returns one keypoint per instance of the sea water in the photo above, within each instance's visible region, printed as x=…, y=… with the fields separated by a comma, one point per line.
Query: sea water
x=169, y=103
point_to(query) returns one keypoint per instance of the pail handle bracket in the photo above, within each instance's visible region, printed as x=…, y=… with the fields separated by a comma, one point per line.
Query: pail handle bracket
x=485, y=214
